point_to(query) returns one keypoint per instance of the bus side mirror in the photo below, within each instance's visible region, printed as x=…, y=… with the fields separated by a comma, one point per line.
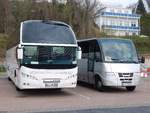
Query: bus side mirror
x=79, y=53
x=19, y=53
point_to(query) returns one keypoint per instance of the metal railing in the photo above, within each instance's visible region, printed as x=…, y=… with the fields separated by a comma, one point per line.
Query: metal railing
x=121, y=15
x=121, y=27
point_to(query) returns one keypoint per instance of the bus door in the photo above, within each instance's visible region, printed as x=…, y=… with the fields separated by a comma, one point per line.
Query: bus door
x=91, y=60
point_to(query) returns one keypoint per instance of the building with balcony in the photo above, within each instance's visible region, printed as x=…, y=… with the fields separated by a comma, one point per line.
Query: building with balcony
x=59, y=1
x=50, y=1
x=118, y=21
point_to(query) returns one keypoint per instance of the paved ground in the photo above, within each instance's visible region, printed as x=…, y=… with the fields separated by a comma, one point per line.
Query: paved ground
x=83, y=97
x=144, y=109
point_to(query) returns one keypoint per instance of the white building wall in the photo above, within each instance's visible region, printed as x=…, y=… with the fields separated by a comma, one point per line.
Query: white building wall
x=59, y=1
x=119, y=22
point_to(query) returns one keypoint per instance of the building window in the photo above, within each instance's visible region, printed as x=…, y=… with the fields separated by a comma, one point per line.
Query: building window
x=121, y=23
x=126, y=23
x=126, y=12
x=133, y=24
x=127, y=34
x=112, y=10
x=119, y=11
x=134, y=34
x=112, y=22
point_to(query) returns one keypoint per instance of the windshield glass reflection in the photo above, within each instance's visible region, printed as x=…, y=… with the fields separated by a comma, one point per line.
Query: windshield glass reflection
x=116, y=50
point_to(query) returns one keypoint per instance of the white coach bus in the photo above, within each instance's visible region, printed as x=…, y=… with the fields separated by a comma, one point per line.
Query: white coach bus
x=109, y=62
x=46, y=56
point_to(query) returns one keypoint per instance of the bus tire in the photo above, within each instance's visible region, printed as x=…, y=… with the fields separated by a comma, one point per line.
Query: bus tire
x=130, y=88
x=9, y=79
x=99, y=84
x=58, y=89
x=18, y=89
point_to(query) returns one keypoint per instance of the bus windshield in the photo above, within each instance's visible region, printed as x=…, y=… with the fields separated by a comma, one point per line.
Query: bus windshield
x=116, y=50
x=49, y=55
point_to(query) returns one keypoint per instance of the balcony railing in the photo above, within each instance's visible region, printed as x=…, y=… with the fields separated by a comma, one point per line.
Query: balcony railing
x=121, y=15
x=121, y=27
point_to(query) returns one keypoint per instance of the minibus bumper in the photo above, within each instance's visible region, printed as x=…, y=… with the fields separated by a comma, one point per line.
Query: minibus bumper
x=121, y=81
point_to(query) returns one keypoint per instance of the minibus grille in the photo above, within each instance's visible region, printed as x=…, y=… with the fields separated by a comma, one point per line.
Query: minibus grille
x=125, y=74
x=126, y=77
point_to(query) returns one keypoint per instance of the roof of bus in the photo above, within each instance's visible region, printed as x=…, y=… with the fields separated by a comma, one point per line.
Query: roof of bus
x=46, y=32
x=103, y=38
x=48, y=22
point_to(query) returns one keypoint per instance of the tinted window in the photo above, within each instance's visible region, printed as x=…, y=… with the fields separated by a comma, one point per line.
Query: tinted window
x=84, y=46
x=49, y=55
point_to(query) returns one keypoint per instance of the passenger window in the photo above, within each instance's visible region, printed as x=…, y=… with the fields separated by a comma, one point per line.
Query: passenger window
x=98, y=55
x=85, y=49
x=91, y=50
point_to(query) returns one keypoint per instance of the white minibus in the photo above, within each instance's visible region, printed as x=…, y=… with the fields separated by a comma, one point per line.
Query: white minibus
x=109, y=62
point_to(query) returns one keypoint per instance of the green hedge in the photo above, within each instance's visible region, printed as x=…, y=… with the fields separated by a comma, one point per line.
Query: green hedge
x=142, y=44
x=2, y=68
x=145, y=24
x=3, y=45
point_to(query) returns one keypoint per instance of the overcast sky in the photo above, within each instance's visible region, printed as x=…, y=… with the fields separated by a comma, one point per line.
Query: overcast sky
x=123, y=3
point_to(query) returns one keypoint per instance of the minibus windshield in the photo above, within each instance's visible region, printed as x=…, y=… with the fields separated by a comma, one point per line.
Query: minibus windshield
x=119, y=51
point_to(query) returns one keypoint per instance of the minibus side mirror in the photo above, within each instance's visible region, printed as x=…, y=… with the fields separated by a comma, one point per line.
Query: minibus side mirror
x=79, y=53
x=97, y=60
x=142, y=59
x=19, y=53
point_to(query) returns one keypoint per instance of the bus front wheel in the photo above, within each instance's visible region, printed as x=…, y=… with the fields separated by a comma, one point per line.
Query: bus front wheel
x=18, y=89
x=9, y=79
x=130, y=88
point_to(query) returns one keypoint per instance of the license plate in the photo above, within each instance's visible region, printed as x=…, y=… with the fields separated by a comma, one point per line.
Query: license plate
x=126, y=84
x=51, y=85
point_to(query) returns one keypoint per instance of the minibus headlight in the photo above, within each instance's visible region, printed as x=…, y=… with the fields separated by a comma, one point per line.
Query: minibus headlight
x=110, y=74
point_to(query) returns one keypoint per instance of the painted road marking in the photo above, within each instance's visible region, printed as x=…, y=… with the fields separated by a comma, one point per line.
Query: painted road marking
x=83, y=96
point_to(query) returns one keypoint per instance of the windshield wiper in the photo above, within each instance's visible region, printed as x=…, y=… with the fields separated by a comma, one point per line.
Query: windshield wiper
x=127, y=61
x=123, y=61
x=116, y=59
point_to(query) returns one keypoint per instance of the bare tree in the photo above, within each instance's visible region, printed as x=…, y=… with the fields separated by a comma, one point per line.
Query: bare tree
x=5, y=16
x=85, y=12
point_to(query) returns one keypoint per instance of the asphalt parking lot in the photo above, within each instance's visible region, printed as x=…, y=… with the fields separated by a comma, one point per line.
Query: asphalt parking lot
x=82, y=97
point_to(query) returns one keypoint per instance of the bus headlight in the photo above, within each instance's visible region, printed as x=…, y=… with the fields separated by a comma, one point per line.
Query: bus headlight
x=72, y=76
x=29, y=76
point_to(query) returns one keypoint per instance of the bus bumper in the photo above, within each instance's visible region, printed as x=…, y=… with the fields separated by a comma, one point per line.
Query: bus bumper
x=47, y=84
x=47, y=79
